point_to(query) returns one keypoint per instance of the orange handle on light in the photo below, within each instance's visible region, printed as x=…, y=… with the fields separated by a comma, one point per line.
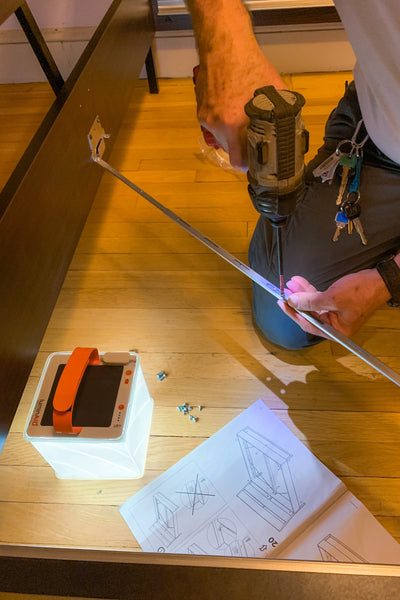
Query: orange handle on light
x=67, y=388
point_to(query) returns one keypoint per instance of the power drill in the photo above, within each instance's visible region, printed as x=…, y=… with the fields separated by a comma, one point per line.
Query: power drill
x=276, y=142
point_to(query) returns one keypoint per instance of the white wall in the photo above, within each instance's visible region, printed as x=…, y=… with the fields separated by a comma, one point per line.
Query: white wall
x=67, y=25
x=63, y=13
x=291, y=50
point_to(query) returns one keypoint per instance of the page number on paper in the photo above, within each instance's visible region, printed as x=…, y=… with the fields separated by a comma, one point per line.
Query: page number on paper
x=271, y=543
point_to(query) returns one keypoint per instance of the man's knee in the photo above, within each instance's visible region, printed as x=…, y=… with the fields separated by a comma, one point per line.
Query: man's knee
x=276, y=326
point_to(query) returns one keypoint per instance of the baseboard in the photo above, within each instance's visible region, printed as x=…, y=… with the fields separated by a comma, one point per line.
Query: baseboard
x=291, y=49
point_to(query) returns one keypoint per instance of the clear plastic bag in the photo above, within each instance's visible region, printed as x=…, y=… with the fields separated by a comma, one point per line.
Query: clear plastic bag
x=218, y=156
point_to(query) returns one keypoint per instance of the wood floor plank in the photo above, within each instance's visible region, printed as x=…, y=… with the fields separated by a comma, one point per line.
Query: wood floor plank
x=65, y=525
x=22, y=108
x=181, y=244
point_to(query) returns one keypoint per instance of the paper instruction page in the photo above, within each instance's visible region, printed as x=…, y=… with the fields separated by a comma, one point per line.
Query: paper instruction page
x=346, y=532
x=242, y=492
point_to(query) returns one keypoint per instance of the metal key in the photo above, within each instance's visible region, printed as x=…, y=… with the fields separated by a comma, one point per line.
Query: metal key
x=348, y=162
x=360, y=230
x=341, y=222
x=350, y=227
x=352, y=211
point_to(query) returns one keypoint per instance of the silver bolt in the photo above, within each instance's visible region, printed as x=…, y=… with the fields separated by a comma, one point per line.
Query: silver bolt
x=160, y=376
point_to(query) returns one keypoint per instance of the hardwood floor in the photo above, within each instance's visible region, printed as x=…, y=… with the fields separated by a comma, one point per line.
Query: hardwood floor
x=137, y=281
x=22, y=108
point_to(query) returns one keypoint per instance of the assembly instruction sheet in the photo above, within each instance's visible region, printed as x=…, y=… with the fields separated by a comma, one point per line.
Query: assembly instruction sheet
x=253, y=489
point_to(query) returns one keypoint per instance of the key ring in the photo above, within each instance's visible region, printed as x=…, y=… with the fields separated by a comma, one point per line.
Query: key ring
x=340, y=144
x=355, y=147
x=352, y=193
x=359, y=147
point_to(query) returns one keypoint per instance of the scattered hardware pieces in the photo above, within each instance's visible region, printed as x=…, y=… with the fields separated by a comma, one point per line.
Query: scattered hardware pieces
x=161, y=375
x=185, y=409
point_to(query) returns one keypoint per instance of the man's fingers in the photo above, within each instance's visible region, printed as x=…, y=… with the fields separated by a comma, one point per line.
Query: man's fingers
x=299, y=284
x=237, y=148
x=301, y=321
x=311, y=301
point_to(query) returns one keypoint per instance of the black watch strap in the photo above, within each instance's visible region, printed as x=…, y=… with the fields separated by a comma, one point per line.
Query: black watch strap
x=390, y=273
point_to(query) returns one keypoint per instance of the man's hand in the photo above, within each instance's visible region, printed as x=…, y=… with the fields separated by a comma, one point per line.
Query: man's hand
x=346, y=305
x=232, y=67
x=222, y=90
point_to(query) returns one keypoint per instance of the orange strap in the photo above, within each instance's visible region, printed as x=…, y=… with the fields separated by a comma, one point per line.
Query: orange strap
x=67, y=388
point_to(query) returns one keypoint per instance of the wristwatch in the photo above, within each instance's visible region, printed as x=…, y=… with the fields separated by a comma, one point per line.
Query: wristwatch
x=390, y=273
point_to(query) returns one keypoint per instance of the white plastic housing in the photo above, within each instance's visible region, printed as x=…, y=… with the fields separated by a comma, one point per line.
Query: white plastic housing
x=78, y=457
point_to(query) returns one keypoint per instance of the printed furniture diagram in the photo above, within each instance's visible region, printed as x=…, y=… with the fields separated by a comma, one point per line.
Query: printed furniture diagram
x=270, y=491
x=334, y=550
x=165, y=526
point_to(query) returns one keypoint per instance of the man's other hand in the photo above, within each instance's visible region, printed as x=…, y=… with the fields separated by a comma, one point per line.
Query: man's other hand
x=346, y=305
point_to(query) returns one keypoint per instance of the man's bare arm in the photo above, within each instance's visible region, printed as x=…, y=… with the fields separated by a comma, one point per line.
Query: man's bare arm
x=232, y=67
